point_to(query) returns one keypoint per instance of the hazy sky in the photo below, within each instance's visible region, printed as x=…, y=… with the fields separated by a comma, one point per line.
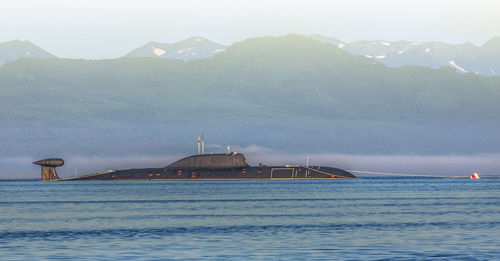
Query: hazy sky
x=111, y=28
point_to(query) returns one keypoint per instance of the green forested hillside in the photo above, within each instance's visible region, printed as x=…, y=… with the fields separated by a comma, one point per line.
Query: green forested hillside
x=290, y=93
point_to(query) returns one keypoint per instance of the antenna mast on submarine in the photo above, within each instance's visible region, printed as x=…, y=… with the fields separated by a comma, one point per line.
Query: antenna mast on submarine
x=198, y=145
x=202, y=144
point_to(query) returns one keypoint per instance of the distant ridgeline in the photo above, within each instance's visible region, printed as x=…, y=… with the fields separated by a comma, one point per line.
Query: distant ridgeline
x=466, y=57
x=290, y=93
x=13, y=50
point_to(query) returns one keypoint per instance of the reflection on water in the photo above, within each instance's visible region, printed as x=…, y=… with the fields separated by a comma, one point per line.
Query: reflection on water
x=377, y=218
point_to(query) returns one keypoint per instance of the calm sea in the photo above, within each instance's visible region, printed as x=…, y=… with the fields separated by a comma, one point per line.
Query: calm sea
x=364, y=219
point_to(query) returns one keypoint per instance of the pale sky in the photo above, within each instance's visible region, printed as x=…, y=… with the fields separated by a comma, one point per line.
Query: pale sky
x=110, y=28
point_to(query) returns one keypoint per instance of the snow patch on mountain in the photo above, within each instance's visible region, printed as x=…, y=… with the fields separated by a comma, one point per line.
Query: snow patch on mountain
x=219, y=50
x=385, y=43
x=453, y=64
x=428, y=50
x=158, y=51
x=380, y=56
x=341, y=45
x=403, y=51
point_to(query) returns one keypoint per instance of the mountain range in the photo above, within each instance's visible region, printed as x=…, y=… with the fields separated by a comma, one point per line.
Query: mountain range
x=13, y=50
x=290, y=93
x=464, y=58
x=189, y=49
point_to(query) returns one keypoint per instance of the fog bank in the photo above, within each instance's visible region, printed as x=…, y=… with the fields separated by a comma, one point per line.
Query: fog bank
x=444, y=165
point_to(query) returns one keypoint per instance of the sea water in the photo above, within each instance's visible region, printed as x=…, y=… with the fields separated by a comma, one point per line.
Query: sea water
x=362, y=219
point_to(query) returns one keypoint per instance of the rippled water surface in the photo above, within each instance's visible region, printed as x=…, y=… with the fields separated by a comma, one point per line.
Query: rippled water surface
x=375, y=218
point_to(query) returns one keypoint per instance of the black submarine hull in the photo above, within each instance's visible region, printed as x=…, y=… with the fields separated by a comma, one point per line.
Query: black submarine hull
x=210, y=167
x=267, y=172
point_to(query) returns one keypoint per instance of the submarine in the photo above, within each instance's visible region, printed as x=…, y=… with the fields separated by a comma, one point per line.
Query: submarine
x=232, y=166
x=226, y=166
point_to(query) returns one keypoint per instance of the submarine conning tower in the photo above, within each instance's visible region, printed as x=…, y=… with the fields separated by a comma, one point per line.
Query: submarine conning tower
x=211, y=161
x=49, y=168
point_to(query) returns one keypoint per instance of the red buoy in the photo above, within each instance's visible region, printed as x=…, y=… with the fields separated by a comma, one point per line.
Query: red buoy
x=474, y=176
